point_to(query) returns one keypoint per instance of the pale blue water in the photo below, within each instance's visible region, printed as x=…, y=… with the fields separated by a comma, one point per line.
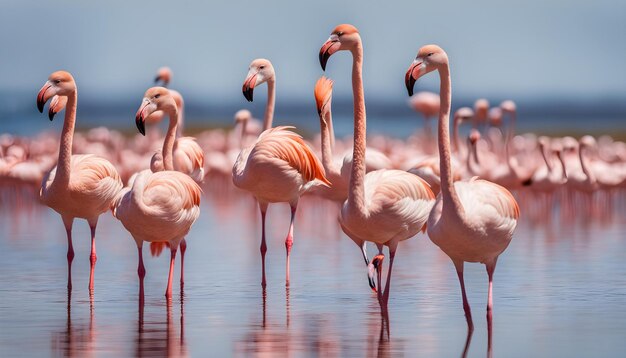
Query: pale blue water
x=560, y=290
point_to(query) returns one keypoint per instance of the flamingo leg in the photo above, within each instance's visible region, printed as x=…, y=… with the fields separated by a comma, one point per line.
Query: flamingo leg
x=92, y=257
x=466, y=306
x=170, y=278
x=67, y=222
x=379, y=273
x=491, y=267
x=141, y=271
x=263, y=208
x=289, y=240
x=183, y=248
x=392, y=253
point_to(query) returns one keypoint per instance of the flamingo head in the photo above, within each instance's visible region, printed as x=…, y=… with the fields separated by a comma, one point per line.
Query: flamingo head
x=428, y=59
x=260, y=71
x=375, y=267
x=481, y=107
x=323, y=95
x=587, y=141
x=508, y=106
x=495, y=116
x=155, y=99
x=59, y=83
x=57, y=104
x=474, y=136
x=463, y=114
x=156, y=162
x=343, y=37
x=164, y=74
x=242, y=115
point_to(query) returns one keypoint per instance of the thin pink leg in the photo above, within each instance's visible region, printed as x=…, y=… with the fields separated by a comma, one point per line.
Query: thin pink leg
x=183, y=248
x=392, y=254
x=263, y=248
x=466, y=306
x=70, y=250
x=490, y=269
x=289, y=240
x=141, y=272
x=170, y=278
x=92, y=257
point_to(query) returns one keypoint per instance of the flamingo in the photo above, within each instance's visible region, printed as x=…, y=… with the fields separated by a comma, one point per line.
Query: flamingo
x=339, y=173
x=427, y=104
x=79, y=186
x=472, y=220
x=279, y=167
x=159, y=207
x=384, y=206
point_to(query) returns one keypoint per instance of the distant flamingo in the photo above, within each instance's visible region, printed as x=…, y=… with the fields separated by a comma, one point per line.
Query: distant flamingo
x=79, y=186
x=472, y=220
x=481, y=112
x=279, y=166
x=384, y=206
x=427, y=104
x=159, y=207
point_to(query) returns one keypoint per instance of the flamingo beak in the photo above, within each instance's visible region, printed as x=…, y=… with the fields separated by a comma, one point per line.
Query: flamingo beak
x=56, y=105
x=43, y=96
x=248, y=86
x=412, y=75
x=140, y=117
x=328, y=48
x=377, y=264
x=370, y=276
x=157, y=79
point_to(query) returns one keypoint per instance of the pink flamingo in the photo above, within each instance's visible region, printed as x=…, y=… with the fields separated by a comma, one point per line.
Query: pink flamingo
x=79, y=186
x=472, y=220
x=339, y=173
x=384, y=206
x=279, y=167
x=159, y=207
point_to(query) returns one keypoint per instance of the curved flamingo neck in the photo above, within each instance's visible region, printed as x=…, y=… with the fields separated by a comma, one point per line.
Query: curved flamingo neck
x=242, y=138
x=456, y=146
x=356, y=192
x=67, y=136
x=271, y=100
x=326, y=121
x=585, y=166
x=168, y=142
x=451, y=202
x=545, y=158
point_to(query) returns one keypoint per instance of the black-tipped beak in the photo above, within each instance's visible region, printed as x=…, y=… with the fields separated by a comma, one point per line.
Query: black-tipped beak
x=157, y=79
x=41, y=97
x=51, y=114
x=372, y=282
x=325, y=52
x=141, y=126
x=248, y=87
x=140, y=120
x=409, y=80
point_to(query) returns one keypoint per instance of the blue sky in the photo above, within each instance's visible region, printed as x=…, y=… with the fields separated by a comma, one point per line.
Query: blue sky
x=558, y=48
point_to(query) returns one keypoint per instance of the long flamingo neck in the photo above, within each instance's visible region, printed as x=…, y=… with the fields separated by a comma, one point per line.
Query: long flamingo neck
x=450, y=198
x=181, y=119
x=327, y=146
x=356, y=193
x=65, y=146
x=168, y=143
x=244, y=128
x=585, y=165
x=545, y=159
x=455, y=136
x=271, y=100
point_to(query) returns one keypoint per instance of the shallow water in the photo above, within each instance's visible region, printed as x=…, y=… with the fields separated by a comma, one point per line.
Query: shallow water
x=559, y=290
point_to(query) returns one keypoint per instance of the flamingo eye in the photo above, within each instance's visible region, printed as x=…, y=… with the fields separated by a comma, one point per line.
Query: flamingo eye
x=339, y=33
x=261, y=67
x=430, y=54
x=157, y=95
x=57, y=81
